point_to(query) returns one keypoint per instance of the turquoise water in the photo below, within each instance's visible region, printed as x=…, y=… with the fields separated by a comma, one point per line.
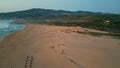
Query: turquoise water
x=6, y=28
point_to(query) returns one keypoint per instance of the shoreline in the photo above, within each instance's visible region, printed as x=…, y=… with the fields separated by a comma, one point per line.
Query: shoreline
x=48, y=46
x=11, y=32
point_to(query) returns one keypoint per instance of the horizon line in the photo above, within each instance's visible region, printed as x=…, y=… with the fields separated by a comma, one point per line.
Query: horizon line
x=60, y=9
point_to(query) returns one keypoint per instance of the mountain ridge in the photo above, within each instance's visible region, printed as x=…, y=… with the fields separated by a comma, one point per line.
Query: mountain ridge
x=47, y=13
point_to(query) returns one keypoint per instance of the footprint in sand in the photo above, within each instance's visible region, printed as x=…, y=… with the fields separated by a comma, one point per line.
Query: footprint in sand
x=58, y=48
x=28, y=62
x=36, y=51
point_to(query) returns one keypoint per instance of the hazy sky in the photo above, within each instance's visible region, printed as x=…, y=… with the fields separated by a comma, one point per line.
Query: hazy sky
x=111, y=6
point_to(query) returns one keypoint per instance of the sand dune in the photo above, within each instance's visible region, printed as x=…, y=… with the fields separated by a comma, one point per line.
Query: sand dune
x=44, y=46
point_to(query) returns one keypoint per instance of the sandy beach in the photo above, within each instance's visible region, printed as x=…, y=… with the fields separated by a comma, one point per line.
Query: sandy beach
x=45, y=46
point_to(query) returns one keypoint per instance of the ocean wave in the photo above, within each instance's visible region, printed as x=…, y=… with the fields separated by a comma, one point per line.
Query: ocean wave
x=6, y=28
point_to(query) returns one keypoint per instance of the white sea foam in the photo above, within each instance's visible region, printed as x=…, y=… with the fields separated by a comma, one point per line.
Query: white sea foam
x=6, y=28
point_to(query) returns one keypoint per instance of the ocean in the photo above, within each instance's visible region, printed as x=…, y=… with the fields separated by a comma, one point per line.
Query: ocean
x=7, y=27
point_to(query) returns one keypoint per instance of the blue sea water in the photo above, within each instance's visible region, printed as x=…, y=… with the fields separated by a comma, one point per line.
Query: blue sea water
x=7, y=27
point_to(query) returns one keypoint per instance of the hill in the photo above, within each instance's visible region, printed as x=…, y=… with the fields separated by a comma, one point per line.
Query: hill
x=95, y=20
x=45, y=13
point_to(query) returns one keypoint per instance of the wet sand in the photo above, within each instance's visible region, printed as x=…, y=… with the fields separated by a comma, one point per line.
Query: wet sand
x=45, y=46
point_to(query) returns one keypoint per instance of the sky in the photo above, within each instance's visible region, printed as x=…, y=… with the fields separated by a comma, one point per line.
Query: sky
x=106, y=6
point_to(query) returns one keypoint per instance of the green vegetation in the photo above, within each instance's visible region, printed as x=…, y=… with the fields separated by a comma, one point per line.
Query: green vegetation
x=112, y=27
x=100, y=21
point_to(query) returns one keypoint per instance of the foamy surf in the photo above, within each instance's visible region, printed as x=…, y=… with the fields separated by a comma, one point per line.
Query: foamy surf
x=6, y=28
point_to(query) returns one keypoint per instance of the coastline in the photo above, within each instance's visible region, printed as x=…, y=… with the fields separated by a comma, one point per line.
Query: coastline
x=7, y=33
x=58, y=47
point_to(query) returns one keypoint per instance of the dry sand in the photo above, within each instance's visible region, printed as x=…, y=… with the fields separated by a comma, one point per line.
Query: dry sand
x=44, y=46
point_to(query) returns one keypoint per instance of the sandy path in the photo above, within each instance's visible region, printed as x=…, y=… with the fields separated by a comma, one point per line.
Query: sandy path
x=43, y=46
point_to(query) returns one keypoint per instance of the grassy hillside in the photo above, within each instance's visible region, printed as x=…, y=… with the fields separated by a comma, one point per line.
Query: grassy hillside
x=110, y=23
